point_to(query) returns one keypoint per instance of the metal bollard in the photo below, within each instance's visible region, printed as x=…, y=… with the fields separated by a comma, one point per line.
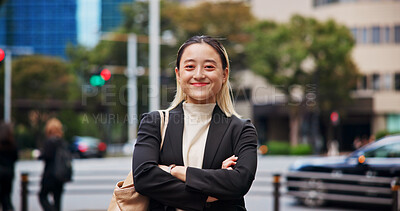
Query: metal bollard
x=395, y=194
x=24, y=191
x=277, y=185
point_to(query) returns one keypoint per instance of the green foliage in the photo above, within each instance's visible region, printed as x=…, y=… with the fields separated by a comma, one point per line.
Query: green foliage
x=284, y=148
x=305, y=51
x=220, y=19
x=39, y=78
x=278, y=148
x=383, y=133
x=301, y=149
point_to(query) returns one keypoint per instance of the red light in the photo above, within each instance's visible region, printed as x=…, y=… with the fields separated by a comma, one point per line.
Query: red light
x=334, y=118
x=2, y=54
x=82, y=147
x=102, y=146
x=105, y=74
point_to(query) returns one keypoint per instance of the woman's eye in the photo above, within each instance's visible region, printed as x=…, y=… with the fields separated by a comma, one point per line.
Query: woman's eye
x=189, y=67
x=209, y=67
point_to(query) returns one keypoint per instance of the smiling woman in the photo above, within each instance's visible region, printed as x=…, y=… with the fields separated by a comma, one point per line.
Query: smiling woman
x=209, y=157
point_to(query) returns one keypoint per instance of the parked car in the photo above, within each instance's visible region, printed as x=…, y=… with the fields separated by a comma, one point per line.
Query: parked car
x=364, y=176
x=86, y=146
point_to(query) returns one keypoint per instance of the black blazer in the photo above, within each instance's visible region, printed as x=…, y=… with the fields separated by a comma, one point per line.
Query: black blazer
x=227, y=136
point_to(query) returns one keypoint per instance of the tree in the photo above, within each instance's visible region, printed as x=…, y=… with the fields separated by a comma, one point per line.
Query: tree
x=40, y=86
x=304, y=52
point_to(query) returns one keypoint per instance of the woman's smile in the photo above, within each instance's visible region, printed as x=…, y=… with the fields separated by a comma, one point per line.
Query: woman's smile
x=199, y=84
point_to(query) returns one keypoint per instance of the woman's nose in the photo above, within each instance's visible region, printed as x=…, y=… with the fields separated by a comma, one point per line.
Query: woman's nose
x=198, y=73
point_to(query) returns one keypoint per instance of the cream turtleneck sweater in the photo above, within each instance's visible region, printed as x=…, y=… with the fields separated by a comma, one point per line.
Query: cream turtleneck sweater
x=196, y=125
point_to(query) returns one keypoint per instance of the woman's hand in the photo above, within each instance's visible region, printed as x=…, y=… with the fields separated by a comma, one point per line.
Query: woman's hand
x=163, y=167
x=229, y=162
x=179, y=172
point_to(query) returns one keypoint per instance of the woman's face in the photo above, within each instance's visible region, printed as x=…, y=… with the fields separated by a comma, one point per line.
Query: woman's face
x=200, y=73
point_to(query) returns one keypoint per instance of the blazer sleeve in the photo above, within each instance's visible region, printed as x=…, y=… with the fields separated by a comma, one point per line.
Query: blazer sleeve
x=154, y=182
x=229, y=184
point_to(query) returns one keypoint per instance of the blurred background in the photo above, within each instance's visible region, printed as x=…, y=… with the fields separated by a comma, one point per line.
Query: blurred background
x=314, y=76
x=306, y=72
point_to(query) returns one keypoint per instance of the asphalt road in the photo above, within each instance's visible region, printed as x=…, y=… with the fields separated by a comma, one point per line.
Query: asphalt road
x=94, y=180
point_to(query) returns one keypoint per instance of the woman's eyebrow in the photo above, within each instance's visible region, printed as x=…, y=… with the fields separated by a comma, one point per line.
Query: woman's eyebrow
x=189, y=60
x=211, y=60
x=193, y=60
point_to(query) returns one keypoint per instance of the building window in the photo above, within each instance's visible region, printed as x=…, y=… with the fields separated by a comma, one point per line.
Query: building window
x=393, y=123
x=397, y=82
x=376, y=31
x=364, y=35
x=375, y=82
x=364, y=84
x=386, y=35
x=388, y=81
x=397, y=34
x=354, y=33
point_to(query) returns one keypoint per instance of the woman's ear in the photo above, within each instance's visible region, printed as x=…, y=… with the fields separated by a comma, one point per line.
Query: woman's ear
x=226, y=73
x=177, y=73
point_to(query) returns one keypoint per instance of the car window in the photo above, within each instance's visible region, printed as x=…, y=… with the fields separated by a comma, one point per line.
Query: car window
x=387, y=151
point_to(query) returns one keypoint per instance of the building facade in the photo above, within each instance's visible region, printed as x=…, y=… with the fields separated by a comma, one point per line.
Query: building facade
x=47, y=26
x=375, y=25
x=111, y=15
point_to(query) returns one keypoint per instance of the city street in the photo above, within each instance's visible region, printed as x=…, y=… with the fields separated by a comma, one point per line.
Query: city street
x=94, y=180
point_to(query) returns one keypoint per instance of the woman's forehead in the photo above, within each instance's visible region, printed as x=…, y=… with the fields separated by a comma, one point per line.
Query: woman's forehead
x=200, y=51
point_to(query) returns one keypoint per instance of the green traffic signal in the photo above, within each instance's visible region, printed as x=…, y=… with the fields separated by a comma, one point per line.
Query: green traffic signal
x=97, y=80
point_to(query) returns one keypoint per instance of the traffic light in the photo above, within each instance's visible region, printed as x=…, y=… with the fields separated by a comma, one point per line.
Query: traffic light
x=2, y=54
x=334, y=118
x=100, y=79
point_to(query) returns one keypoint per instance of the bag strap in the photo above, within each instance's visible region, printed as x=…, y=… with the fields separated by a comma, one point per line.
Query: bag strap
x=164, y=116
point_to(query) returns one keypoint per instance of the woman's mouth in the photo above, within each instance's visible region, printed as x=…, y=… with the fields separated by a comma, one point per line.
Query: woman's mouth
x=199, y=84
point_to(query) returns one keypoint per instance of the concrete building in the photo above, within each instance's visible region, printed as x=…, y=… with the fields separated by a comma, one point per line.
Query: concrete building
x=375, y=25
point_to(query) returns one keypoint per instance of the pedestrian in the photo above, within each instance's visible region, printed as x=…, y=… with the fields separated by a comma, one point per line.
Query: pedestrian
x=8, y=157
x=209, y=157
x=50, y=185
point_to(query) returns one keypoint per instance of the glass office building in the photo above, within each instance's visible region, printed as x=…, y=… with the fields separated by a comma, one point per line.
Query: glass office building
x=111, y=14
x=45, y=25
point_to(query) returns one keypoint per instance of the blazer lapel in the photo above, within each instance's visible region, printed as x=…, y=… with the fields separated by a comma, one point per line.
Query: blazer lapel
x=219, y=124
x=174, y=132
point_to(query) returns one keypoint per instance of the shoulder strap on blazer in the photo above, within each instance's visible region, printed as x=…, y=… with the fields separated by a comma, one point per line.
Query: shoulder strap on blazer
x=164, y=117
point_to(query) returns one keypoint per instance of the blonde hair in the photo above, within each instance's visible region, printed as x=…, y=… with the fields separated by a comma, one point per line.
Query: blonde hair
x=53, y=128
x=224, y=99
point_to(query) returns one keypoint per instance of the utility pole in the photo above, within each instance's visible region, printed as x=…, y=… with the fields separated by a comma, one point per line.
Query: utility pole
x=154, y=57
x=9, y=50
x=7, y=87
x=132, y=86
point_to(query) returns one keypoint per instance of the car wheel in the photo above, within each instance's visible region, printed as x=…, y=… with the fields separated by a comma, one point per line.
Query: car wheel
x=314, y=190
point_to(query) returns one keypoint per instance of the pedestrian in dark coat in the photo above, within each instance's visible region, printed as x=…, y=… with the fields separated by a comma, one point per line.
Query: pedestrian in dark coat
x=8, y=157
x=50, y=185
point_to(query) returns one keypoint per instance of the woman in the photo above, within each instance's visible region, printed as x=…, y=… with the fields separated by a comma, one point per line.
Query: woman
x=50, y=184
x=208, y=160
x=8, y=157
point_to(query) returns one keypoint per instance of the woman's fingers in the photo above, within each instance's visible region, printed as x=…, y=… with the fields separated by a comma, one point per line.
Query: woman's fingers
x=231, y=161
x=211, y=199
x=163, y=167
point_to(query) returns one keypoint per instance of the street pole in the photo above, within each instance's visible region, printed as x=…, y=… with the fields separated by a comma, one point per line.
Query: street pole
x=154, y=57
x=7, y=87
x=132, y=86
